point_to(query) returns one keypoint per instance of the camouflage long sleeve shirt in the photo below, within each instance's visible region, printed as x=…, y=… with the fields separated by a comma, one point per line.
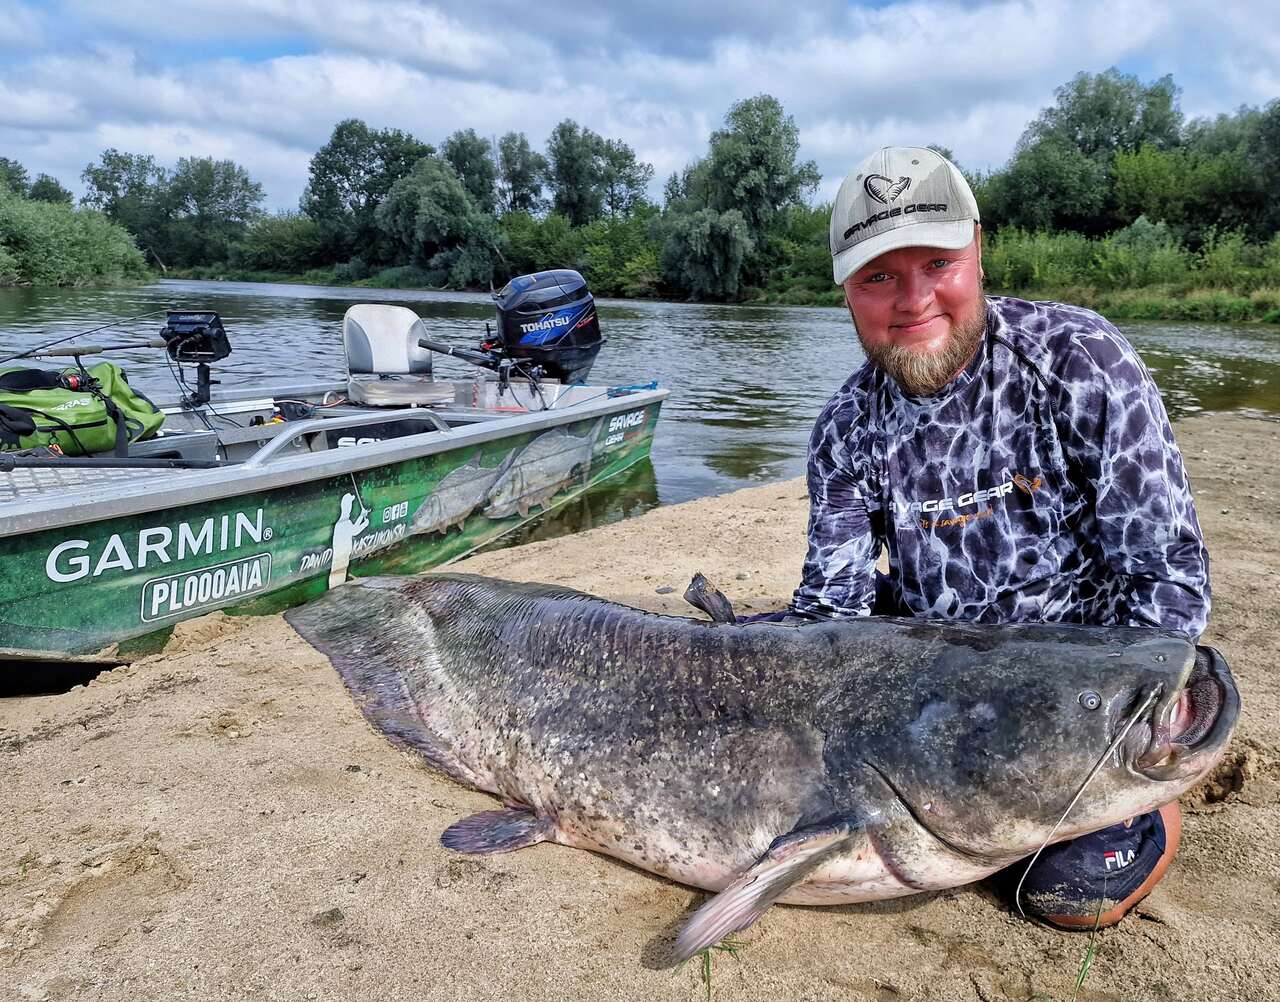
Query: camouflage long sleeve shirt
x=1042, y=484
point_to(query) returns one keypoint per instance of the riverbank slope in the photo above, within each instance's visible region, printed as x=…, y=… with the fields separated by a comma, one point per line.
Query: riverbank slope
x=219, y=822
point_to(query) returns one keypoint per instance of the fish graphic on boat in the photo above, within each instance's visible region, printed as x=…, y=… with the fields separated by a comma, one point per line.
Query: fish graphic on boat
x=550, y=463
x=460, y=493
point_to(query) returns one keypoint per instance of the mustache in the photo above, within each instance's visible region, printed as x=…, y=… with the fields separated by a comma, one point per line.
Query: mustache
x=924, y=373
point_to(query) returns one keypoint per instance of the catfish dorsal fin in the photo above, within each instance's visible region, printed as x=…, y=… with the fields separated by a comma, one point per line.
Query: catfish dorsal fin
x=703, y=595
x=784, y=864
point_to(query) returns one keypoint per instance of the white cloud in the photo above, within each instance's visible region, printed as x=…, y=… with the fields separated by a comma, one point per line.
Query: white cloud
x=20, y=29
x=967, y=76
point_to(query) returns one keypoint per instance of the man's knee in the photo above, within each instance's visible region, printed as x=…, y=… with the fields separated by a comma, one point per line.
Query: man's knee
x=1098, y=878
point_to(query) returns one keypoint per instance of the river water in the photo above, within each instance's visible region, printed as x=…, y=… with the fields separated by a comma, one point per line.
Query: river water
x=746, y=381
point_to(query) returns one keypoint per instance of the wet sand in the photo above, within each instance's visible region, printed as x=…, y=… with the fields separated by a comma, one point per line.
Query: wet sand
x=219, y=822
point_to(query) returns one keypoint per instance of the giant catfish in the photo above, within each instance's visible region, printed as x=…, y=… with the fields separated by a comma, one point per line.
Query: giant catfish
x=808, y=764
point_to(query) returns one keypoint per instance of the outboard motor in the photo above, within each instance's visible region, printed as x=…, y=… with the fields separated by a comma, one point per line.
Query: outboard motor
x=550, y=319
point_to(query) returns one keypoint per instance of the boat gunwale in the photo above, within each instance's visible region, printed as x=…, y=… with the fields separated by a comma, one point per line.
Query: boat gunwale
x=60, y=509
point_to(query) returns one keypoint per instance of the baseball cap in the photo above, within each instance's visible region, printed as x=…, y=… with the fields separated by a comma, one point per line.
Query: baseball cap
x=900, y=196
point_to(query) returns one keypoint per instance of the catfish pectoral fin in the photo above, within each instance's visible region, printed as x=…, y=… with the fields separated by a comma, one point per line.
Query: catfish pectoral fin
x=496, y=831
x=702, y=594
x=785, y=863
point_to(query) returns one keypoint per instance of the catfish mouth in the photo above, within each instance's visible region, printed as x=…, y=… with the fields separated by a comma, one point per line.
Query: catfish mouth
x=1189, y=727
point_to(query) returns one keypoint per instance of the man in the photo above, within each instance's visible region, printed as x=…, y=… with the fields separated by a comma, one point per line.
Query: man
x=1016, y=461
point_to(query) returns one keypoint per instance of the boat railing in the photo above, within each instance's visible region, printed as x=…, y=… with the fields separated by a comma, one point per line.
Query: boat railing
x=300, y=429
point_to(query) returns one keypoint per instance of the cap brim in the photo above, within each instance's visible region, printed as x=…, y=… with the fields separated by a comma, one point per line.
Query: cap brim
x=951, y=236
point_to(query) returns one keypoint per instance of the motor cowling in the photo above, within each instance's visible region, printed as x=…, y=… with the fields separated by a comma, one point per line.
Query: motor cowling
x=550, y=318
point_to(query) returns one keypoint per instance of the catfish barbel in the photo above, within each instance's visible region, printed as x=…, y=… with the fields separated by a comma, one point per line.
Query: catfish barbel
x=817, y=764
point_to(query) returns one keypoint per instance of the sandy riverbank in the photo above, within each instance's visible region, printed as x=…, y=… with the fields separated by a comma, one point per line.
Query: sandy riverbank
x=219, y=822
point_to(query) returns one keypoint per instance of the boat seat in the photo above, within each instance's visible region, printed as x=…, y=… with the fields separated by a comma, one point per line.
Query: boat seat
x=386, y=367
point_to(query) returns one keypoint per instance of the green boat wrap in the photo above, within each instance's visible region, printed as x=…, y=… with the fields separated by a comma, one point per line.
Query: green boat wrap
x=116, y=587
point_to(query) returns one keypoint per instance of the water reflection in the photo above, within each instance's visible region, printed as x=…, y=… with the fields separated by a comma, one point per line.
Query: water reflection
x=746, y=382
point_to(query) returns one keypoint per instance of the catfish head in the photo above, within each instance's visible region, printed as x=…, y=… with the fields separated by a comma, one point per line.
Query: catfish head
x=996, y=739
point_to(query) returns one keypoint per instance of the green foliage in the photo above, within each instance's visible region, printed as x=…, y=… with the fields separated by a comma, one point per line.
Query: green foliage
x=1142, y=254
x=44, y=243
x=49, y=189
x=641, y=276
x=1049, y=185
x=1228, y=261
x=612, y=246
x=1015, y=259
x=1264, y=154
x=535, y=244
x=623, y=179
x=350, y=272
x=803, y=269
x=752, y=166
x=210, y=204
x=520, y=172
x=190, y=216
x=1192, y=191
x=574, y=173
x=129, y=189
x=284, y=242
x=705, y=251
x=405, y=276
x=1099, y=114
x=350, y=176
x=13, y=177
x=472, y=160
x=9, y=273
x=726, y=212
x=1108, y=198
x=429, y=214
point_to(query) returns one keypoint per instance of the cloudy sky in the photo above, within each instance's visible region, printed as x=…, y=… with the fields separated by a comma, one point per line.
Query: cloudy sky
x=264, y=81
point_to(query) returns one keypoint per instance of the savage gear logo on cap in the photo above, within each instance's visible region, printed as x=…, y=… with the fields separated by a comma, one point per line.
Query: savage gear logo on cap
x=883, y=190
x=900, y=196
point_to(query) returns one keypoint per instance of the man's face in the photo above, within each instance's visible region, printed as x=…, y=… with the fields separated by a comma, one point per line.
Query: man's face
x=919, y=313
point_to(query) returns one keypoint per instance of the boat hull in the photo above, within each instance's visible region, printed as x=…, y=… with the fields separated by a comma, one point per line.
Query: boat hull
x=114, y=588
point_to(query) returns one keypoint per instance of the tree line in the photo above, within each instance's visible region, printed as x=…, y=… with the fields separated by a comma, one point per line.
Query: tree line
x=1108, y=186
x=45, y=241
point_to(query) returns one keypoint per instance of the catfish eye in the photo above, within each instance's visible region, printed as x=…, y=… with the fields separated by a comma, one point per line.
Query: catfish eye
x=1090, y=700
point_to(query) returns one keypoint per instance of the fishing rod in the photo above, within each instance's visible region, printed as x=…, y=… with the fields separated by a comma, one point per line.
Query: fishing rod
x=96, y=349
x=71, y=337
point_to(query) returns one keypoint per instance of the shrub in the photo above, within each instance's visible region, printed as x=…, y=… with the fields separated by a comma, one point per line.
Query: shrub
x=704, y=253
x=352, y=271
x=47, y=243
x=1224, y=260
x=406, y=276
x=1017, y=260
x=9, y=274
x=1141, y=254
x=1271, y=261
x=537, y=244
x=286, y=242
x=641, y=275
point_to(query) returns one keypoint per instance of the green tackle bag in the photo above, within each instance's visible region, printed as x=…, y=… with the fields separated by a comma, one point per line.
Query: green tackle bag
x=37, y=409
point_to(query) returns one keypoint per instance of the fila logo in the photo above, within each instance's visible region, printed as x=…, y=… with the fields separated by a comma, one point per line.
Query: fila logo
x=1121, y=858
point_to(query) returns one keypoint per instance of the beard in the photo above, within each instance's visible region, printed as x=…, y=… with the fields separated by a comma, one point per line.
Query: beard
x=923, y=374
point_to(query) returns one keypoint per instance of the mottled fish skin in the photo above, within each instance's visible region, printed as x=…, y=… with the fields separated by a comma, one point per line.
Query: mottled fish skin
x=942, y=751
